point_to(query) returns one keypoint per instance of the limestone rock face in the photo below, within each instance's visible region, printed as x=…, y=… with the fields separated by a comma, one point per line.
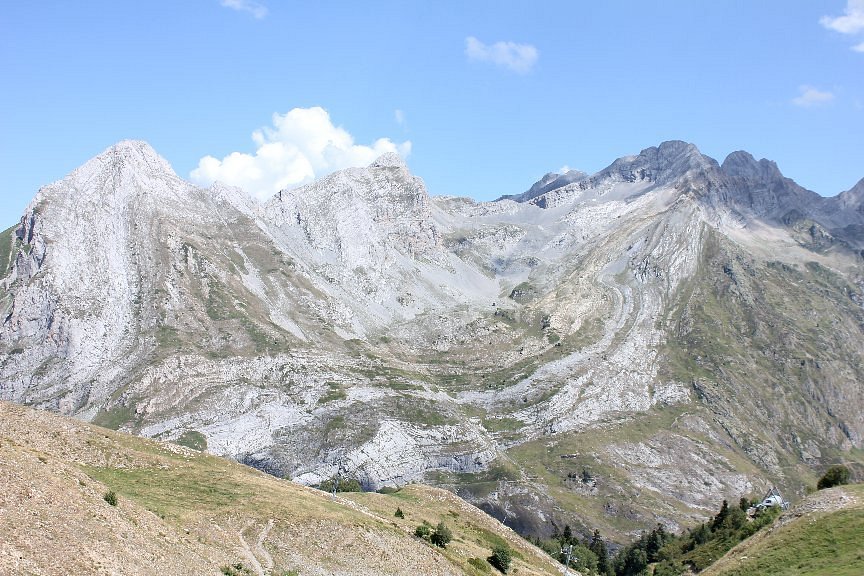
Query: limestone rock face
x=665, y=314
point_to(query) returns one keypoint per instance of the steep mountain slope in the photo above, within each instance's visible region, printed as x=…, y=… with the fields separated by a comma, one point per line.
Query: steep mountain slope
x=820, y=536
x=625, y=348
x=182, y=512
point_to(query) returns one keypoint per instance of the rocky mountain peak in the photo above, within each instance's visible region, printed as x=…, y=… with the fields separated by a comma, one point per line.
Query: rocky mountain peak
x=550, y=181
x=853, y=199
x=133, y=156
x=670, y=160
x=675, y=148
x=389, y=160
x=741, y=164
x=128, y=171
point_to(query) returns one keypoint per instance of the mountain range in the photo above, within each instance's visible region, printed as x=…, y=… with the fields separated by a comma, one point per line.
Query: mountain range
x=606, y=351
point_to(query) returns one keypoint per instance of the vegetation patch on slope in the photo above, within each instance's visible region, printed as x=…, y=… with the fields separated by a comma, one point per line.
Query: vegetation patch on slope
x=7, y=241
x=820, y=537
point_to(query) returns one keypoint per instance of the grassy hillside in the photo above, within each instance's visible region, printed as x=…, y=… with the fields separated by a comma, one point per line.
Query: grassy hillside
x=183, y=512
x=821, y=537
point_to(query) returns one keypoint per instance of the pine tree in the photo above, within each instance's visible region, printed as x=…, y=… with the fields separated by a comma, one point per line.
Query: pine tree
x=441, y=536
x=598, y=547
x=720, y=517
x=700, y=535
x=655, y=542
x=500, y=558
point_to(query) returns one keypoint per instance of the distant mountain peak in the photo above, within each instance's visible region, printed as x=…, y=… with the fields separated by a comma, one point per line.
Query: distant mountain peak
x=550, y=181
x=672, y=148
x=661, y=164
x=389, y=160
x=137, y=155
x=670, y=159
x=743, y=164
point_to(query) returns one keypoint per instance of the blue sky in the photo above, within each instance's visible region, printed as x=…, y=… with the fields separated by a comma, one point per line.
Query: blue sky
x=484, y=97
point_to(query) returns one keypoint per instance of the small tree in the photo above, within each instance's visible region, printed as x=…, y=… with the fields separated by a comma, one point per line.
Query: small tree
x=441, y=536
x=110, y=497
x=598, y=547
x=567, y=536
x=399, y=513
x=836, y=475
x=717, y=523
x=501, y=558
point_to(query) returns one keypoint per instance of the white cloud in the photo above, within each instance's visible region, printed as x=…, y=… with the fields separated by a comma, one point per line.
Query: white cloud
x=399, y=116
x=254, y=8
x=851, y=22
x=516, y=57
x=810, y=96
x=300, y=146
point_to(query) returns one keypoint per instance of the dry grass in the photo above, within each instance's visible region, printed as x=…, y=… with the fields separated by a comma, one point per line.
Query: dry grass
x=183, y=512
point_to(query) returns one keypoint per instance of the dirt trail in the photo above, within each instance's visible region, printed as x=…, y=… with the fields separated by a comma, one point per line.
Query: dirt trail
x=255, y=565
x=259, y=545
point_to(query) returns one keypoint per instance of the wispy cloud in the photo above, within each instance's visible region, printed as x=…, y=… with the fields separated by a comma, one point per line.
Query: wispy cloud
x=399, y=116
x=852, y=21
x=809, y=96
x=254, y=8
x=300, y=146
x=519, y=58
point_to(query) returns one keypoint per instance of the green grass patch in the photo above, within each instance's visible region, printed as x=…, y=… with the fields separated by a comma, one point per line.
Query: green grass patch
x=424, y=412
x=115, y=417
x=335, y=392
x=400, y=385
x=502, y=424
x=480, y=565
x=193, y=439
x=168, y=337
x=175, y=491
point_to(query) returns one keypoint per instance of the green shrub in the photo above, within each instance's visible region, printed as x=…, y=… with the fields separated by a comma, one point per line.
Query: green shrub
x=399, y=513
x=441, y=536
x=835, y=476
x=501, y=558
x=344, y=485
x=423, y=530
x=479, y=564
x=236, y=570
x=110, y=497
